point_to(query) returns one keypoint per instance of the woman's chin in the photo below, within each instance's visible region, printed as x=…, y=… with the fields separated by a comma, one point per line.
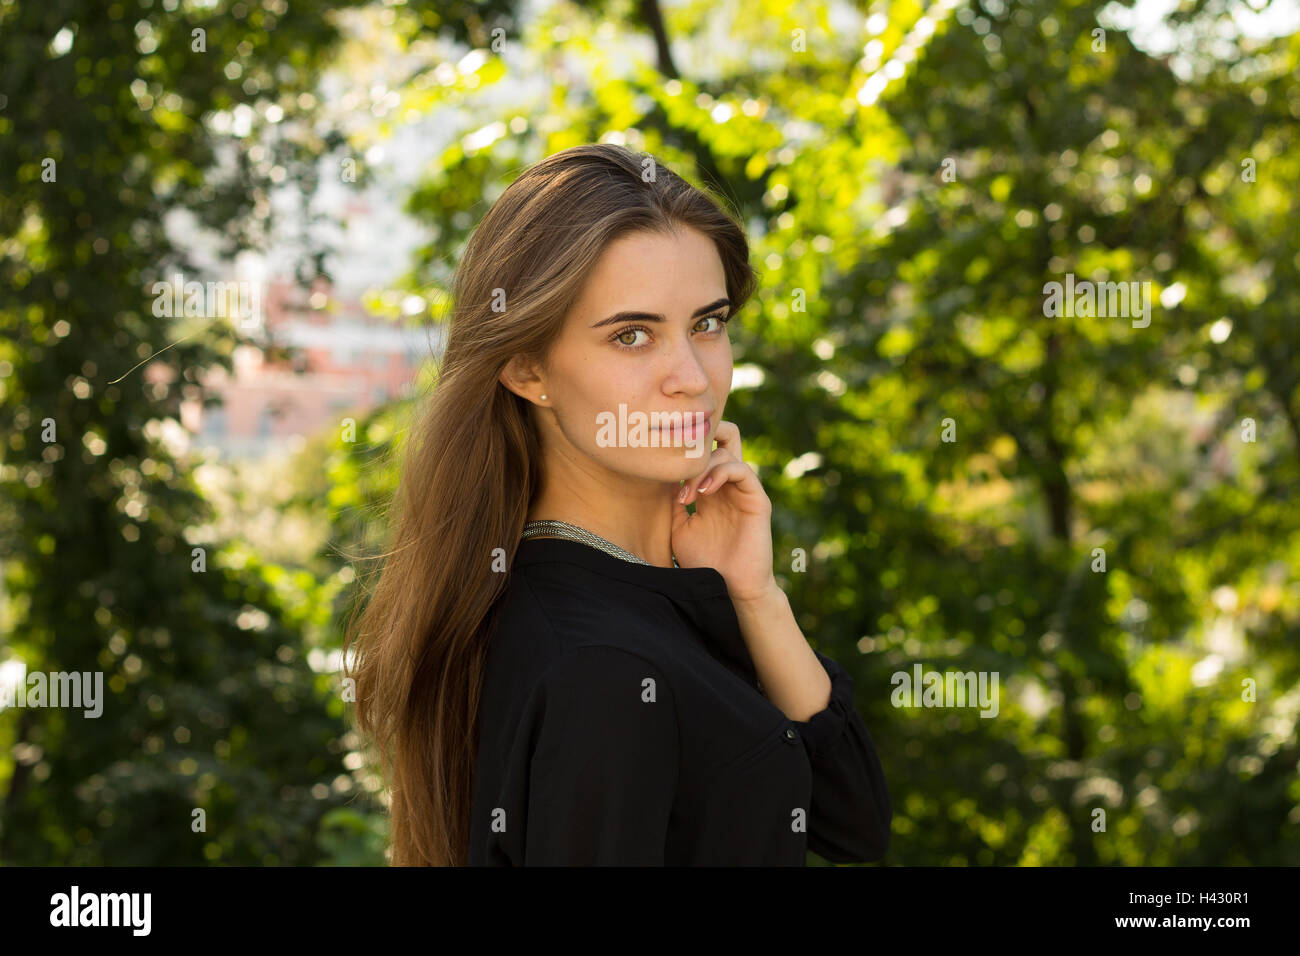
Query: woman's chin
x=668, y=470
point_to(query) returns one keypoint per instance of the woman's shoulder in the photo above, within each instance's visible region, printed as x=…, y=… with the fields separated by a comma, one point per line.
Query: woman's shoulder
x=569, y=598
x=544, y=617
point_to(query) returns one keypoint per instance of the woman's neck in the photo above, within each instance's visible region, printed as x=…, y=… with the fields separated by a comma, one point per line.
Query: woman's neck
x=637, y=525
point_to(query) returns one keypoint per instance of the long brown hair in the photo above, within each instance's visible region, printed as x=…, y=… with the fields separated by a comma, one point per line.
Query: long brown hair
x=473, y=466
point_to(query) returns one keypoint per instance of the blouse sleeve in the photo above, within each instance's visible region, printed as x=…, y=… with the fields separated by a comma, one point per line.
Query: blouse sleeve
x=603, y=768
x=851, y=813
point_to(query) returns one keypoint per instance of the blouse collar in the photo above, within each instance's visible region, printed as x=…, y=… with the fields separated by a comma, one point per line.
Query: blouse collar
x=699, y=593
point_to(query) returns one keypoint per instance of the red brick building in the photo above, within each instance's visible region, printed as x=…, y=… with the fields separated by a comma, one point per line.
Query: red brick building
x=327, y=359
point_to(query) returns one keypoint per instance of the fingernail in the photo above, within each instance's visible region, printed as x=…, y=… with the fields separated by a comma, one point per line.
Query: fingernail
x=681, y=495
x=704, y=484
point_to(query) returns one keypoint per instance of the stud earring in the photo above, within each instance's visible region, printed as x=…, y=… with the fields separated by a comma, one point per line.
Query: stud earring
x=543, y=398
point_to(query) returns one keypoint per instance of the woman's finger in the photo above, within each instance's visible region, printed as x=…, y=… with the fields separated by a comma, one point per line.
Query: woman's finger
x=719, y=475
x=728, y=436
x=717, y=456
x=729, y=449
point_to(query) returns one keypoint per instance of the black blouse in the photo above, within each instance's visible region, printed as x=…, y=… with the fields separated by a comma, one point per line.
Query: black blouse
x=621, y=723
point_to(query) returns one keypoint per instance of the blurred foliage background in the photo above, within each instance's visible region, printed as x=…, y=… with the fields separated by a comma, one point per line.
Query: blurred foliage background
x=910, y=175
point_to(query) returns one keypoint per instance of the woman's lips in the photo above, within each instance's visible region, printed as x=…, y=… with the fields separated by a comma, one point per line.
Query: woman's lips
x=688, y=428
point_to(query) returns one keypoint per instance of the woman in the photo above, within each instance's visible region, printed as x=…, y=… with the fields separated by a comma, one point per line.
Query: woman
x=627, y=683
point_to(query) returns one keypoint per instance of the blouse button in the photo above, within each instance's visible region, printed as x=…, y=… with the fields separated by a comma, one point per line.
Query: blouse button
x=790, y=734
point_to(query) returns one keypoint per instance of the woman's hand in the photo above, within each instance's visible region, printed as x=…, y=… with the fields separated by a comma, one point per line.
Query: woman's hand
x=731, y=529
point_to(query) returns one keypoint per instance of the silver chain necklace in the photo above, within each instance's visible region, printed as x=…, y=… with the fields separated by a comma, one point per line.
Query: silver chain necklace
x=571, y=532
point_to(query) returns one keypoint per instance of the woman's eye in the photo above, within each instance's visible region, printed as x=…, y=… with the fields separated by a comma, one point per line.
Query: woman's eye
x=619, y=337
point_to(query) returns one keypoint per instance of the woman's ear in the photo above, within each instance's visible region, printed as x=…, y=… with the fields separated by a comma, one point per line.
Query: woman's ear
x=521, y=377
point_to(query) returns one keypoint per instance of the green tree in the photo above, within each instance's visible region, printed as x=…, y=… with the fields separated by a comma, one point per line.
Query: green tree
x=106, y=125
x=910, y=199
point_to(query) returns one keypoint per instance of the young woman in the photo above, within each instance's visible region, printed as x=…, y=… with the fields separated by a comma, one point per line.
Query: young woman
x=559, y=664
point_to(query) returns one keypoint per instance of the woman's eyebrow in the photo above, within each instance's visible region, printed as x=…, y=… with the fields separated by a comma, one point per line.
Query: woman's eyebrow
x=655, y=317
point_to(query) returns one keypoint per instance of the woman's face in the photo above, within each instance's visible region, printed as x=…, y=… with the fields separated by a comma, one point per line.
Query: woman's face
x=673, y=355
